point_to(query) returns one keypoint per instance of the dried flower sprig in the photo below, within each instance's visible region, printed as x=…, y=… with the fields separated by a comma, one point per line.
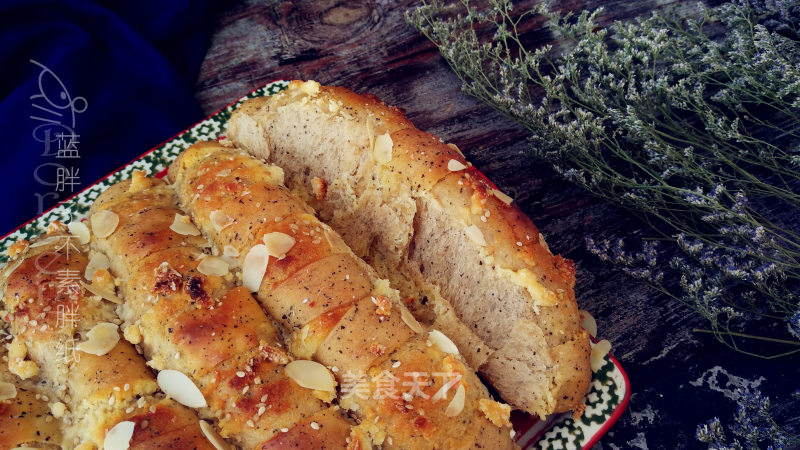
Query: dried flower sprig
x=699, y=135
x=753, y=426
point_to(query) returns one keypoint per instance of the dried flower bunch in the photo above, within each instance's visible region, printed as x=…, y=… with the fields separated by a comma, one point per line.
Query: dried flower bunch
x=691, y=119
x=753, y=423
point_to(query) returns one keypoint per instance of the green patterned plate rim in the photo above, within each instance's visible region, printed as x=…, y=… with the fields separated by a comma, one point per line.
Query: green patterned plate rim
x=610, y=388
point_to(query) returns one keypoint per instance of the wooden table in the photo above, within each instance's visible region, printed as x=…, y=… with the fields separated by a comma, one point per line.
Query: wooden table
x=679, y=378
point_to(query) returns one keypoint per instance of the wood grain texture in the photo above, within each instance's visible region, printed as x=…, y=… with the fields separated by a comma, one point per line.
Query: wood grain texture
x=679, y=378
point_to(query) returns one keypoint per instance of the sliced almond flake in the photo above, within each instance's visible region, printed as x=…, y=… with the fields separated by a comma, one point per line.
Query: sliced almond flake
x=119, y=437
x=409, y=320
x=254, y=267
x=104, y=223
x=543, y=243
x=183, y=226
x=383, y=148
x=278, y=244
x=502, y=197
x=10, y=268
x=443, y=342
x=213, y=437
x=181, y=388
x=476, y=235
x=46, y=241
x=7, y=391
x=102, y=293
x=455, y=147
x=457, y=403
x=588, y=323
x=334, y=240
x=230, y=255
x=97, y=262
x=213, y=265
x=224, y=173
x=455, y=165
x=220, y=220
x=102, y=338
x=311, y=375
x=80, y=231
x=599, y=351
x=230, y=250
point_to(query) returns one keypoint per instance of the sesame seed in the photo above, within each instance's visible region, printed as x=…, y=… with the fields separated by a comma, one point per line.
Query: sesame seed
x=240, y=374
x=315, y=425
x=284, y=430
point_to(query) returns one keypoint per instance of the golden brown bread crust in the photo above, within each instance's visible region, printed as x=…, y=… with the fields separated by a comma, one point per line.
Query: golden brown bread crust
x=164, y=424
x=306, y=436
x=330, y=133
x=200, y=324
x=27, y=420
x=336, y=308
x=98, y=390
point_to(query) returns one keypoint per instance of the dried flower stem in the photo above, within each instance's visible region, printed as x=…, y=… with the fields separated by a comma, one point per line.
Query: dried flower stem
x=697, y=134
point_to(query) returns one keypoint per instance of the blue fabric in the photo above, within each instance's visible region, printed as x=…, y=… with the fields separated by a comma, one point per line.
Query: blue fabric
x=128, y=69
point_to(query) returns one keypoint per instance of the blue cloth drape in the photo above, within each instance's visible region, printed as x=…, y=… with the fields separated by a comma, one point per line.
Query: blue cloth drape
x=86, y=86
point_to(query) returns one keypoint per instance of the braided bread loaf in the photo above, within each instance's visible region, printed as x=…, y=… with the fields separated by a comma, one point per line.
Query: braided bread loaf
x=68, y=336
x=182, y=306
x=468, y=259
x=408, y=386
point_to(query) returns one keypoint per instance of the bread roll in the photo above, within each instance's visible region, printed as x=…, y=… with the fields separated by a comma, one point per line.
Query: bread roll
x=25, y=415
x=467, y=258
x=100, y=379
x=410, y=389
x=192, y=319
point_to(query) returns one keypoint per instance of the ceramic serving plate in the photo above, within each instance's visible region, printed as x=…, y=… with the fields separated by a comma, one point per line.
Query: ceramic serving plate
x=610, y=387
